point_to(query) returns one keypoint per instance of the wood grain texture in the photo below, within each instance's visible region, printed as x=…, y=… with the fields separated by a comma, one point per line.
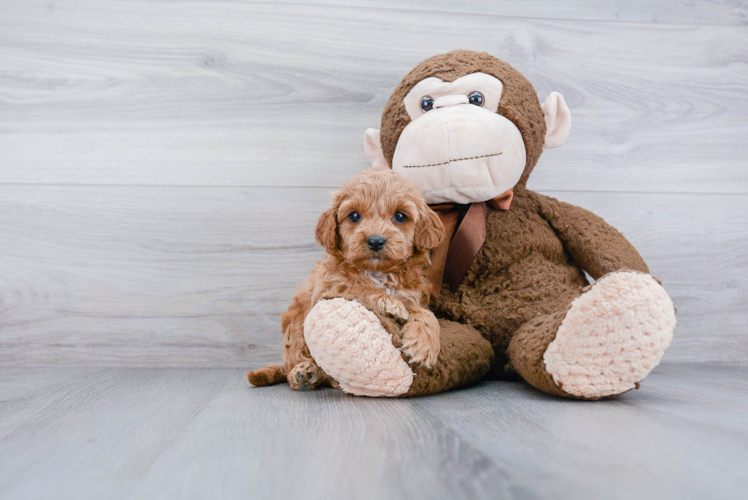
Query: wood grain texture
x=705, y=12
x=190, y=276
x=151, y=275
x=119, y=421
x=162, y=163
x=256, y=94
x=204, y=433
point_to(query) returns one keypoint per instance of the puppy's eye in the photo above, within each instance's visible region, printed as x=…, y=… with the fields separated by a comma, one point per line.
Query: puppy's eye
x=475, y=98
x=399, y=217
x=355, y=217
x=427, y=103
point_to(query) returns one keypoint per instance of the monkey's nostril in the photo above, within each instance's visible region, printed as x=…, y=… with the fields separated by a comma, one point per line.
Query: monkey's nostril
x=375, y=243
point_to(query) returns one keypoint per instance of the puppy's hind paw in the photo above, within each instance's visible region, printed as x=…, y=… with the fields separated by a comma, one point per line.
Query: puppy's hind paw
x=305, y=376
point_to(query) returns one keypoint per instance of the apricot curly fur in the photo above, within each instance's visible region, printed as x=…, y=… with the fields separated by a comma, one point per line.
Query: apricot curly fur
x=391, y=282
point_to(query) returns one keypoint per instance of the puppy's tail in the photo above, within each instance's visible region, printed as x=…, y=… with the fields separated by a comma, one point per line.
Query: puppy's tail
x=270, y=375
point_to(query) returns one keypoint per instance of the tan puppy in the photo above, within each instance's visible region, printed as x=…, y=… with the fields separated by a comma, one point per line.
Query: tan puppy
x=377, y=233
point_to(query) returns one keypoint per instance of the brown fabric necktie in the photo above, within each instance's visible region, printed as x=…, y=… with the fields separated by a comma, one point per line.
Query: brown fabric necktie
x=466, y=242
x=451, y=259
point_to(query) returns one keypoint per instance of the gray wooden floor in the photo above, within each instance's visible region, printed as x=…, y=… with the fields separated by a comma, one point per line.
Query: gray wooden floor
x=204, y=433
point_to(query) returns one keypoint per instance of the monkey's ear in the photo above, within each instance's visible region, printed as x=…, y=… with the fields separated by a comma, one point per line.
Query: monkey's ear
x=327, y=230
x=557, y=120
x=429, y=231
x=373, y=148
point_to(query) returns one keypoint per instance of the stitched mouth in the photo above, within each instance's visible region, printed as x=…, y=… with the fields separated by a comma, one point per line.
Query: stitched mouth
x=451, y=161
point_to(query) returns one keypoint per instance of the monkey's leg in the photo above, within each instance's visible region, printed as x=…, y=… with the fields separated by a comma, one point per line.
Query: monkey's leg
x=358, y=350
x=604, y=344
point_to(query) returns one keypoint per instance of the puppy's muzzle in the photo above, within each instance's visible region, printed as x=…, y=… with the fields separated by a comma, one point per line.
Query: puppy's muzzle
x=375, y=243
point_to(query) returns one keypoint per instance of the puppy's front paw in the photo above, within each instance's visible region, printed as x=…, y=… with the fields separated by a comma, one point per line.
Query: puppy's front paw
x=305, y=376
x=392, y=306
x=421, y=342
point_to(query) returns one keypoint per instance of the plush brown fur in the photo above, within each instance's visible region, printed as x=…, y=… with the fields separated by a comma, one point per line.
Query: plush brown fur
x=465, y=357
x=350, y=269
x=531, y=266
x=519, y=101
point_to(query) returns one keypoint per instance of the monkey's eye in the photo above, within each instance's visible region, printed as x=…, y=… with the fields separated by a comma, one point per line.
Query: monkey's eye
x=427, y=103
x=475, y=98
x=399, y=217
x=355, y=217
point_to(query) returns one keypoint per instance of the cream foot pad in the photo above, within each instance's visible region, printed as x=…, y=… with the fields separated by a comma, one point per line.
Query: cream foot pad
x=612, y=337
x=351, y=345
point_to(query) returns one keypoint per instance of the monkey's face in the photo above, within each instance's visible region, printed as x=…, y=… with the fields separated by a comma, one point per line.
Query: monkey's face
x=457, y=148
x=466, y=127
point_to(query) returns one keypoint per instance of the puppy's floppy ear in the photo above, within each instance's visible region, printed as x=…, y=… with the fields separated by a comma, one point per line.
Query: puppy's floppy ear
x=327, y=230
x=429, y=231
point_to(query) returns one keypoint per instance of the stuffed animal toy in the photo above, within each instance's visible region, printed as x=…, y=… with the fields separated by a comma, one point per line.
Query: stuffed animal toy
x=467, y=129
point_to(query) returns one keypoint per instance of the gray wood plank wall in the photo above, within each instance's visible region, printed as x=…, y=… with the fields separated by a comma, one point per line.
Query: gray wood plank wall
x=163, y=163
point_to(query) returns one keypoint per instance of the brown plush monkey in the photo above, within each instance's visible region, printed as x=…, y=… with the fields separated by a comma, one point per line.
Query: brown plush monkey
x=468, y=129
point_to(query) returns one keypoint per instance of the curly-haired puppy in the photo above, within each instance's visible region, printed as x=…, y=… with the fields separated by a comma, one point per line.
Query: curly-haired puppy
x=377, y=233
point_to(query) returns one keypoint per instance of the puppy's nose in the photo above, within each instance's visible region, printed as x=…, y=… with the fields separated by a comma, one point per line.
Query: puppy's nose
x=375, y=243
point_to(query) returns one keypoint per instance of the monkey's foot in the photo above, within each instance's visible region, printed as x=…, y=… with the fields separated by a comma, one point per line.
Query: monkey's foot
x=612, y=336
x=350, y=344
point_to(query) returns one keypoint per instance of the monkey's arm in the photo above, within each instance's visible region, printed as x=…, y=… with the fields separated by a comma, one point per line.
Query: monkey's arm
x=595, y=245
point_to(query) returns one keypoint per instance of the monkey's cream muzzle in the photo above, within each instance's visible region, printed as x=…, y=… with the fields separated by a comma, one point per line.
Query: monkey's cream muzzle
x=460, y=153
